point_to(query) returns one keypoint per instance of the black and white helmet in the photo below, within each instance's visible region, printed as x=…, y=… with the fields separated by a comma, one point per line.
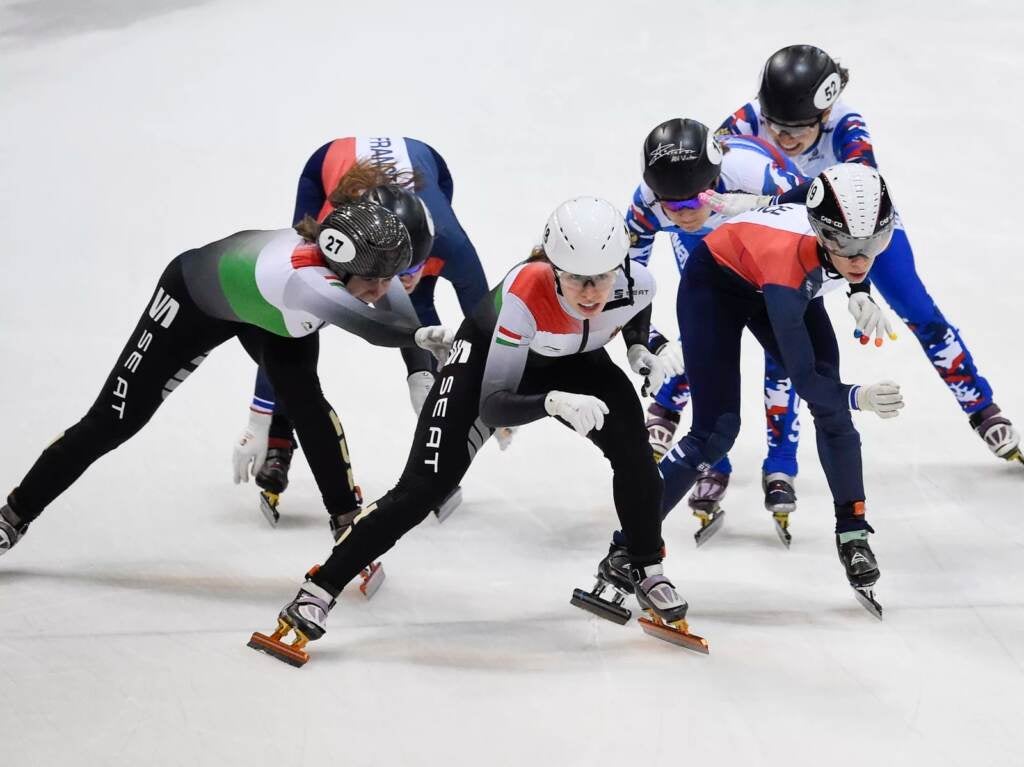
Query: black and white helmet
x=798, y=83
x=849, y=208
x=681, y=159
x=365, y=239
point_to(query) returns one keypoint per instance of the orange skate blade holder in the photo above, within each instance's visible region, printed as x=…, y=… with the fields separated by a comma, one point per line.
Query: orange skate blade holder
x=372, y=579
x=292, y=654
x=677, y=633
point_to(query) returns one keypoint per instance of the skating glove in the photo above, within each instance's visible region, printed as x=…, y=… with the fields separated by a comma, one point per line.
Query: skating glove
x=671, y=356
x=504, y=435
x=582, y=411
x=870, y=319
x=733, y=203
x=251, y=447
x=651, y=366
x=437, y=340
x=883, y=398
x=420, y=384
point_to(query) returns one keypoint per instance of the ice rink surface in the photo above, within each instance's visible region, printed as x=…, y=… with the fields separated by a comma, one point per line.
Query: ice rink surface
x=132, y=130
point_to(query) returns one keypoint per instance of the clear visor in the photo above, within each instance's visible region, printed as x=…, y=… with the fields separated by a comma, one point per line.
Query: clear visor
x=581, y=281
x=845, y=246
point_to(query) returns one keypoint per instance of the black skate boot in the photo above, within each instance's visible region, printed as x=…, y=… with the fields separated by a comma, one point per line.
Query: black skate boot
x=665, y=608
x=306, y=615
x=612, y=572
x=780, y=500
x=372, y=576
x=705, y=503
x=861, y=567
x=661, y=428
x=11, y=529
x=998, y=433
x=273, y=479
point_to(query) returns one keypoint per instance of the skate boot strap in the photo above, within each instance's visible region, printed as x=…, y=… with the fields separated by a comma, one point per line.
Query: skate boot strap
x=311, y=594
x=13, y=521
x=659, y=412
x=988, y=417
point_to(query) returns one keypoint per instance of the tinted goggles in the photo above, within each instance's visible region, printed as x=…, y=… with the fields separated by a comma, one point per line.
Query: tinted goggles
x=692, y=203
x=412, y=269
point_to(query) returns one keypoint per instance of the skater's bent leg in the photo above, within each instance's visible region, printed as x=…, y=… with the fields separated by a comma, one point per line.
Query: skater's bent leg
x=291, y=366
x=448, y=435
x=711, y=326
x=782, y=417
x=839, y=448
x=636, y=482
x=896, y=278
x=168, y=343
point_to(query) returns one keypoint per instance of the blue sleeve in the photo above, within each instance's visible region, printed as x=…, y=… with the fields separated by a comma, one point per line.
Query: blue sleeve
x=742, y=122
x=786, y=308
x=798, y=194
x=263, y=397
x=642, y=224
x=311, y=196
x=851, y=141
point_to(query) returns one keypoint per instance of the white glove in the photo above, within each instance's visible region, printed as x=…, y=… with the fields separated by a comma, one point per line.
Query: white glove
x=251, y=447
x=731, y=204
x=504, y=435
x=437, y=340
x=870, y=319
x=582, y=411
x=671, y=356
x=420, y=384
x=883, y=398
x=646, y=364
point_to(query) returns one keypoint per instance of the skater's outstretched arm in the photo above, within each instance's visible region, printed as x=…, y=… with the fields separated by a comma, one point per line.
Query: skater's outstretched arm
x=319, y=291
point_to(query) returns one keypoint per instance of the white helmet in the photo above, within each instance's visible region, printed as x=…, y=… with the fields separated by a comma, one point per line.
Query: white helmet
x=586, y=235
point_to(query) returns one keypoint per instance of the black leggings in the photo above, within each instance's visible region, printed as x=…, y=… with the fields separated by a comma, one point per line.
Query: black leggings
x=449, y=433
x=171, y=339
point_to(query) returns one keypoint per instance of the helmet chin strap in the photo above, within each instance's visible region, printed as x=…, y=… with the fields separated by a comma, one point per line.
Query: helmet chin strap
x=826, y=261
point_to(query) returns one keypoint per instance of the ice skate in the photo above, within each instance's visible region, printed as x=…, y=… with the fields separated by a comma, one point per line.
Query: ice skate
x=661, y=429
x=306, y=615
x=705, y=502
x=780, y=500
x=372, y=576
x=666, y=610
x=612, y=573
x=861, y=568
x=451, y=502
x=11, y=529
x=998, y=433
x=273, y=479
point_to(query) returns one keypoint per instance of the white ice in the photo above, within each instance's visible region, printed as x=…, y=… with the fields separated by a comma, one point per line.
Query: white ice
x=134, y=130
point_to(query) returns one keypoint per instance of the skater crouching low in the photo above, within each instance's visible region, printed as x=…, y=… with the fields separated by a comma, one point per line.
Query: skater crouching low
x=766, y=270
x=272, y=290
x=532, y=348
